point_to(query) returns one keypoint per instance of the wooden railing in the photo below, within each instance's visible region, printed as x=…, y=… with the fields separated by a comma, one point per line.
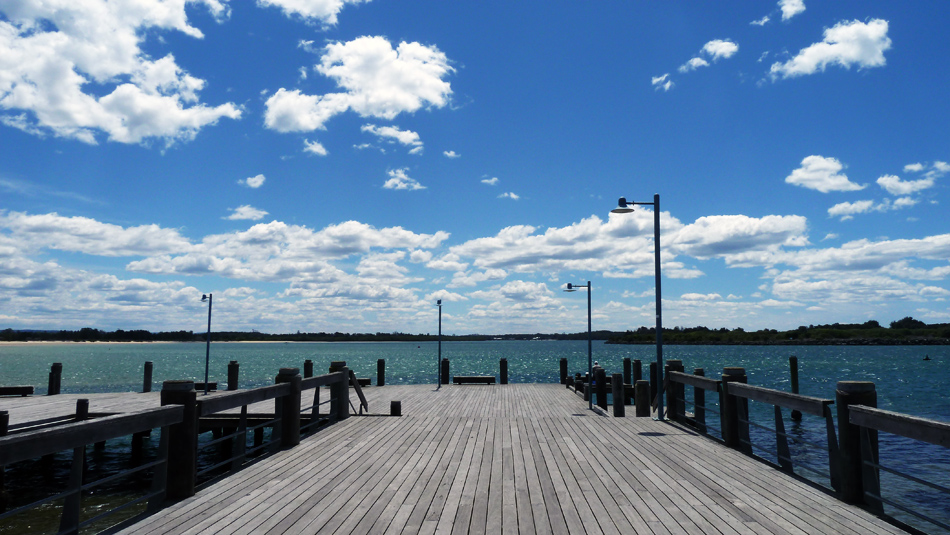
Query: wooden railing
x=181, y=420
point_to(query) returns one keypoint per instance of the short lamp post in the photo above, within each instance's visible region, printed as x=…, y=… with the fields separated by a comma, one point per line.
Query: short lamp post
x=438, y=368
x=590, y=366
x=208, y=342
x=624, y=207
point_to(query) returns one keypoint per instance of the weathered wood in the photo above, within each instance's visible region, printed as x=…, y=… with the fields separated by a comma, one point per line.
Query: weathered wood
x=931, y=431
x=232, y=400
x=695, y=381
x=473, y=379
x=807, y=404
x=850, y=393
x=355, y=383
x=20, y=390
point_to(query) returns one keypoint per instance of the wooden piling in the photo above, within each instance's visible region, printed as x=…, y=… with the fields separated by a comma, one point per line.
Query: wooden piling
x=4, y=426
x=183, y=440
x=233, y=372
x=849, y=437
x=147, y=378
x=674, y=399
x=340, y=394
x=699, y=403
x=793, y=370
x=444, y=378
x=307, y=368
x=380, y=372
x=600, y=386
x=641, y=396
x=730, y=407
x=616, y=384
x=503, y=371
x=637, y=371
x=288, y=407
x=55, y=379
x=563, y=371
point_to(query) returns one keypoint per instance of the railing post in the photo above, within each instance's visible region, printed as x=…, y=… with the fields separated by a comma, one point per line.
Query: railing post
x=676, y=393
x=55, y=379
x=699, y=403
x=793, y=371
x=69, y=521
x=337, y=365
x=729, y=406
x=637, y=371
x=182, y=440
x=233, y=373
x=147, y=378
x=641, y=395
x=4, y=425
x=503, y=371
x=563, y=371
x=289, y=407
x=340, y=394
x=849, y=436
x=445, y=372
x=380, y=372
x=616, y=384
x=307, y=368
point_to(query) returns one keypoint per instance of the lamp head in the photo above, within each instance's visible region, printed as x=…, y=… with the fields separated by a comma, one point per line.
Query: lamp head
x=439, y=302
x=570, y=288
x=623, y=207
x=204, y=298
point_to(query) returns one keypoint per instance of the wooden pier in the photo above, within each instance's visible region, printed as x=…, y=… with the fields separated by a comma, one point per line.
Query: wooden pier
x=521, y=458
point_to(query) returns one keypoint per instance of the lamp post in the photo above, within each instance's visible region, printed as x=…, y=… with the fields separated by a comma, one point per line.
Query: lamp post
x=590, y=366
x=624, y=207
x=208, y=342
x=438, y=369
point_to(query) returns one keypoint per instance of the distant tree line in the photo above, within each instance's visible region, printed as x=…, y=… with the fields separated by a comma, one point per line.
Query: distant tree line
x=904, y=331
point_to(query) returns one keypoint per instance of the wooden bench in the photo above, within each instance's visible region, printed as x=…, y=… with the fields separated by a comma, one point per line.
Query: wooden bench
x=473, y=379
x=22, y=390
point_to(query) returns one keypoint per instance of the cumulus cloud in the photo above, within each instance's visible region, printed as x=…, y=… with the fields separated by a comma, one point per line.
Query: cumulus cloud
x=253, y=181
x=693, y=64
x=761, y=22
x=822, y=174
x=451, y=154
x=246, y=212
x=317, y=11
x=509, y=195
x=790, y=8
x=714, y=50
x=490, y=181
x=847, y=210
x=393, y=134
x=378, y=81
x=55, y=54
x=662, y=82
x=729, y=234
x=845, y=44
x=398, y=179
x=895, y=186
x=314, y=147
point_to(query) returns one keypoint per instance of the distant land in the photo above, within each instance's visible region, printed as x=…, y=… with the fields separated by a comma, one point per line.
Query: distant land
x=907, y=331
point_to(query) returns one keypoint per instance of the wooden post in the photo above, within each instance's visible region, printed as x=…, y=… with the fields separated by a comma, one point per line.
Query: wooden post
x=340, y=394
x=289, y=407
x=307, y=368
x=563, y=371
x=395, y=408
x=600, y=385
x=676, y=393
x=380, y=372
x=730, y=407
x=445, y=372
x=637, y=371
x=699, y=403
x=233, y=373
x=849, y=438
x=147, y=379
x=503, y=371
x=793, y=369
x=616, y=384
x=55, y=378
x=641, y=396
x=337, y=365
x=183, y=440
x=4, y=425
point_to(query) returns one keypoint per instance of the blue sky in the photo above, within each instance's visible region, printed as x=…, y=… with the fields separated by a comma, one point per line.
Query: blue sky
x=339, y=165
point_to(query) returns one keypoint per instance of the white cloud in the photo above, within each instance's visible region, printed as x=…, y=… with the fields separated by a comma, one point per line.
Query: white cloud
x=490, y=181
x=314, y=147
x=914, y=167
x=246, y=211
x=451, y=154
x=394, y=134
x=845, y=44
x=693, y=64
x=509, y=195
x=253, y=181
x=895, y=186
x=398, y=179
x=52, y=52
x=724, y=235
x=719, y=48
x=847, y=210
x=822, y=174
x=379, y=81
x=662, y=82
x=320, y=11
x=761, y=22
x=790, y=8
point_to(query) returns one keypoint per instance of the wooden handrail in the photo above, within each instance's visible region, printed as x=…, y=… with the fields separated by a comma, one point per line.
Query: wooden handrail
x=922, y=429
x=697, y=381
x=811, y=405
x=30, y=445
x=321, y=380
x=239, y=398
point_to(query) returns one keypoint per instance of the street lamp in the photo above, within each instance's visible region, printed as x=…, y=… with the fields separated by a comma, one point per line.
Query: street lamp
x=208, y=343
x=590, y=366
x=438, y=369
x=624, y=207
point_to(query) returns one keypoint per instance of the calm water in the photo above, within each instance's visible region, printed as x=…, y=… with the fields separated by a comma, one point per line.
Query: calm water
x=905, y=382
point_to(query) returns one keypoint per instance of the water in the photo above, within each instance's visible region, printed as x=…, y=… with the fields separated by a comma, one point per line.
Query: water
x=904, y=381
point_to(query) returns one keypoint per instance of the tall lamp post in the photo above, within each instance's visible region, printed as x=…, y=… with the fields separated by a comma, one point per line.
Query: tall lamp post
x=624, y=207
x=438, y=369
x=590, y=366
x=208, y=343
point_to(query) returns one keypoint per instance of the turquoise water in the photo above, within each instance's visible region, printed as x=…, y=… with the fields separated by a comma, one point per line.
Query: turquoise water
x=905, y=382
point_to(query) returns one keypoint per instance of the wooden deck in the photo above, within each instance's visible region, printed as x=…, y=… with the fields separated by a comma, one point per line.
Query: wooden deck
x=507, y=459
